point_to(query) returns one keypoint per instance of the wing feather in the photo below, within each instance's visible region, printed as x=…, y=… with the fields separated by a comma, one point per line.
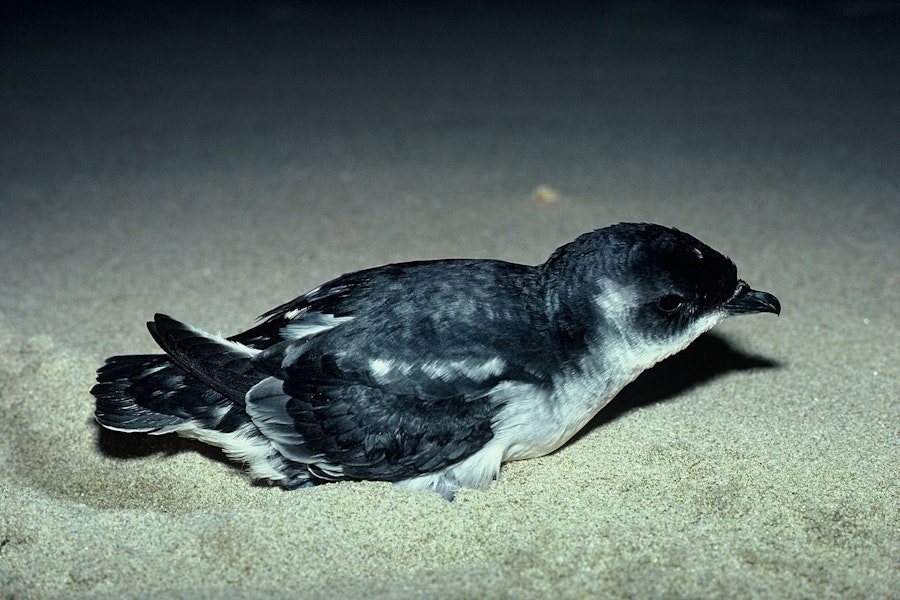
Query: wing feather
x=398, y=380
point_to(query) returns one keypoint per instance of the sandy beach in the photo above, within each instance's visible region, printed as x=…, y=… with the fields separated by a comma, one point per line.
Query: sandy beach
x=213, y=162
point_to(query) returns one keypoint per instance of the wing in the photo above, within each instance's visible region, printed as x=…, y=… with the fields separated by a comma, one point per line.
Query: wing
x=346, y=430
x=348, y=417
x=398, y=380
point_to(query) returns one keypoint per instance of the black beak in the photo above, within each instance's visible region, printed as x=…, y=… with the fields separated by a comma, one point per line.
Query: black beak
x=747, y=301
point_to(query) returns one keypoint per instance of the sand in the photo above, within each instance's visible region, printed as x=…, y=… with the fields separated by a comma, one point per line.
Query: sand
x=211, y=164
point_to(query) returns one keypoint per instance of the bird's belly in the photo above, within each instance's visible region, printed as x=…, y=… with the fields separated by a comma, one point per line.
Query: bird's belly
x=545, y=439
x=535, y=421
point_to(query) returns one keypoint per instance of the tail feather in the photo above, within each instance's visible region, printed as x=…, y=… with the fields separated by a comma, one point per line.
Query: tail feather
x=180, y=393
x=218, y=363
x=148, y=393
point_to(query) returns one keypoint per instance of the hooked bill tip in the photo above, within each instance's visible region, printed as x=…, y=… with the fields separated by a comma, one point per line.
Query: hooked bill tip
x=747, y=301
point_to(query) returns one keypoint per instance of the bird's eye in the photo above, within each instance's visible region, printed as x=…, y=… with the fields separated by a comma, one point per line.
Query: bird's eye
x=670, y=303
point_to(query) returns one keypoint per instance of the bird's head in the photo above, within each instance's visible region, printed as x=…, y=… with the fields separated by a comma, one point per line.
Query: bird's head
x=648, y=290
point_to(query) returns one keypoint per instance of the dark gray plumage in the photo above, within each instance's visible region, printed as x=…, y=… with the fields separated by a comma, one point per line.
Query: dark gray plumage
x=431, y=374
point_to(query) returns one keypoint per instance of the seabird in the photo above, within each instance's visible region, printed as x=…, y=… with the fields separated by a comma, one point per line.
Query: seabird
x=431, y=374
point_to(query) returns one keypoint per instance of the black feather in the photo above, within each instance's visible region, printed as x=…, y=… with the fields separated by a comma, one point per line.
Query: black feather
x=149, y=393
x=224, y=369
x=374, y=435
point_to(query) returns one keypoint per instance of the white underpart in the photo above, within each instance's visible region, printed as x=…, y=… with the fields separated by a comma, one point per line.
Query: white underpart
x=545, y=421
x=535, y=421
x=475, y=472
x=384, y=369
x=632, y=353
x=244, y=445
x=523, y=422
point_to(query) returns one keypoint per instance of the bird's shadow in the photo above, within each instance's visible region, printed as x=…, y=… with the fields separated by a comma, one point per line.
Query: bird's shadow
x=127, y=446
x=707, y=358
